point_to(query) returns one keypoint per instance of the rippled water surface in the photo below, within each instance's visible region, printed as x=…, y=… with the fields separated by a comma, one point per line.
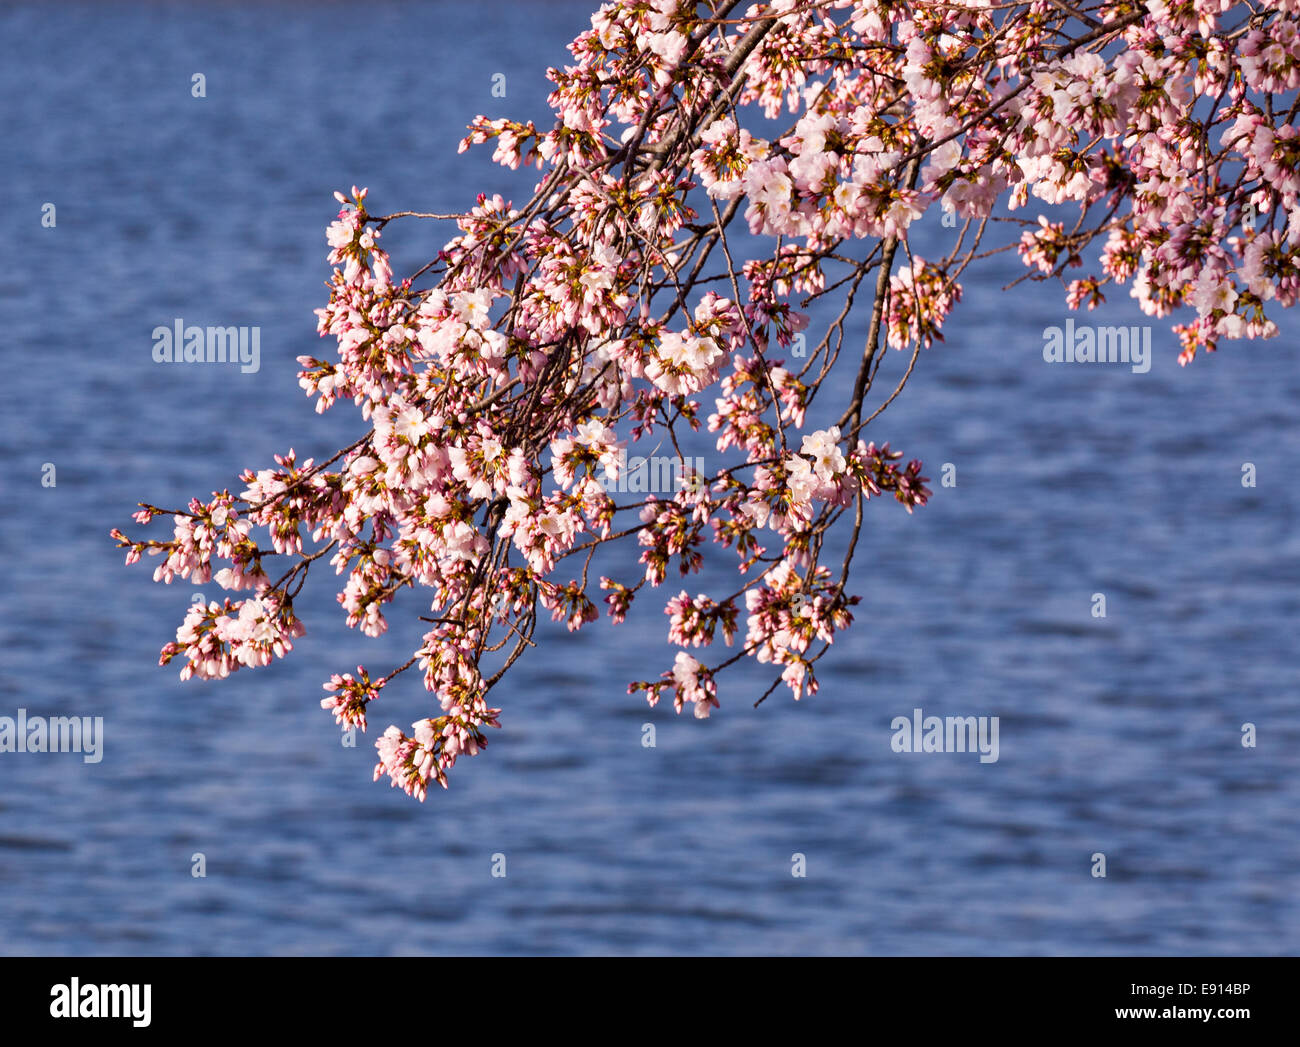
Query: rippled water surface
x=1118, y=735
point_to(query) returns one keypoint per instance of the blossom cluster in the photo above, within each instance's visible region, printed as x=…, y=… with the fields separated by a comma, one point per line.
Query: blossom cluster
x=615, y=306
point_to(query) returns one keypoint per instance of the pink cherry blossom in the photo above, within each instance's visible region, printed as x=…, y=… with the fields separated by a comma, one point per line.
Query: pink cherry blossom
x=656, y=286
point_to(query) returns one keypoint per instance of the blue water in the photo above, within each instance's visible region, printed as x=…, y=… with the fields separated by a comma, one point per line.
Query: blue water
x=1118, y=735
